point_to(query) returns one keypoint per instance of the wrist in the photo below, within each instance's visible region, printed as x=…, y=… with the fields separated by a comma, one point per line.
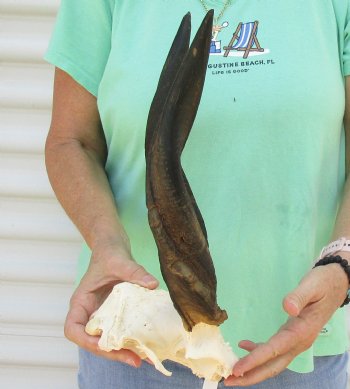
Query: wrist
x=345, y=255
x=341, y=283
x=338, y=271
x=340, y=245
x=106, y=234
x=339, y=276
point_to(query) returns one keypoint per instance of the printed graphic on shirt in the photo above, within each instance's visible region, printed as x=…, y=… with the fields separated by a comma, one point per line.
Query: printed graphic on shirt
x=243, y=43
x=239, y=41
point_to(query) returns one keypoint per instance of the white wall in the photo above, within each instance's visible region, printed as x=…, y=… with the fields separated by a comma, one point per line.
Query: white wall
x=38, y=244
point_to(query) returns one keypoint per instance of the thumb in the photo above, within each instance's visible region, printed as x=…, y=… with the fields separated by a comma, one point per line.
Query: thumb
x=299, y=298
x=136, y=274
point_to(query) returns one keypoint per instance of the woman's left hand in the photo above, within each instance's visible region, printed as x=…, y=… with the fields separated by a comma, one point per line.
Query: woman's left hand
x=309, y=307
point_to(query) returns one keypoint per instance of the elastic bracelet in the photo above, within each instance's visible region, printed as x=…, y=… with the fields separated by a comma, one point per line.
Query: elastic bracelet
x=341, y=244
x=343, y=263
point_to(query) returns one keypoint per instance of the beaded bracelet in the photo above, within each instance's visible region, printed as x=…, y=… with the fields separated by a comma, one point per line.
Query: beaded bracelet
x=343, y=263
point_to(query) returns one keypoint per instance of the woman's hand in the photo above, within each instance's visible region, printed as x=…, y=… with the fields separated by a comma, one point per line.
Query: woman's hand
x=76, y=154
x=309, y=307
x=109, y=265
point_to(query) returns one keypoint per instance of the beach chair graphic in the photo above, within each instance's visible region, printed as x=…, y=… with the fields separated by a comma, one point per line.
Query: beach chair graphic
x=246, y=37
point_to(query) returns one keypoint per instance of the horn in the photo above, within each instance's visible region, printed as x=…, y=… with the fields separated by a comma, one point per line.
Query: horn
x=174, y=217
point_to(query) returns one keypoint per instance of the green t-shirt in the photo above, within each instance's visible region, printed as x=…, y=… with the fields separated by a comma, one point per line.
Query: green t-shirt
x=265, y=157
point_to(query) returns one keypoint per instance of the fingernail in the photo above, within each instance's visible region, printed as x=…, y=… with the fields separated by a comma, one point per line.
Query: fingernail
x=148, y=279
x=233, y=382
x=131, y=362
x=295, y=306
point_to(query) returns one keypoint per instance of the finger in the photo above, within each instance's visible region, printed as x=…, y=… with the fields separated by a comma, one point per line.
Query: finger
x=295, y=336
x=90, y=343
x=286, y=340
x=268, y=370
x=247, y=345
x=75, y=331
x=136, y=274
x=114, y=267
x=307, y=292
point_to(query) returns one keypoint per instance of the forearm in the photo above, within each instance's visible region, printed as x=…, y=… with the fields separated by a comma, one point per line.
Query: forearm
x=80, y=183
x=342, y=224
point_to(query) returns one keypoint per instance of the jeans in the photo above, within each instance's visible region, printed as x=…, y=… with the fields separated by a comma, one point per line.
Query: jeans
x=99, y=373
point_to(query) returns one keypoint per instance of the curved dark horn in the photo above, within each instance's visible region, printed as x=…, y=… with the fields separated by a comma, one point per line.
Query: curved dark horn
x=174, y=217
x=167, y=77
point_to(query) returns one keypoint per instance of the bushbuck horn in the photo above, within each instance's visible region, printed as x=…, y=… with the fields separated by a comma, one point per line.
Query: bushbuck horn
x=174, y=217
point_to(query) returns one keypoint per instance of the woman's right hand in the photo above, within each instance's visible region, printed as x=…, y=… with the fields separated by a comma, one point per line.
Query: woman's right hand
x=76, y=154
x=109, y=265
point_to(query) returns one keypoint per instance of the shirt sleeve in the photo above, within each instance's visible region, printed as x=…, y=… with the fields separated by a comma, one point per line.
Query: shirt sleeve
x=81, y=40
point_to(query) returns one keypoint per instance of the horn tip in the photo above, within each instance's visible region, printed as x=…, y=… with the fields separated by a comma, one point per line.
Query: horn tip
x=187, y=16
x=209, y=17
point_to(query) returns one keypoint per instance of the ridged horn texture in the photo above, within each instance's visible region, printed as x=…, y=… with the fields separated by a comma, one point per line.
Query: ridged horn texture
x=173, y=214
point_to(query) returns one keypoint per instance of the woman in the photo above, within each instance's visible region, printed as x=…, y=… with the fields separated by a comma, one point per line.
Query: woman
x=265, y=160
